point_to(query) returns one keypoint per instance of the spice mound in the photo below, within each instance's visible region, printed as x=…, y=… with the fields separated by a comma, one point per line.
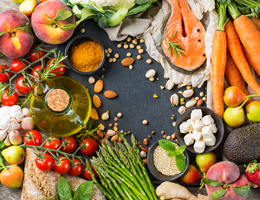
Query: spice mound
x=86, y=56
x=58, y=100
x=163, y=163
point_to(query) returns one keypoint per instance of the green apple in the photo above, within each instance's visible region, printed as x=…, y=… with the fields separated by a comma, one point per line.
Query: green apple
x=18, y=1
x=14, y=155
x=234, y=117
x=253, y=111
x=205, y=161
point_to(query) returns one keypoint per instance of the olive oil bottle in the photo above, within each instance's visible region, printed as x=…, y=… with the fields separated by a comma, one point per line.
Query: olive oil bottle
x=60, y=106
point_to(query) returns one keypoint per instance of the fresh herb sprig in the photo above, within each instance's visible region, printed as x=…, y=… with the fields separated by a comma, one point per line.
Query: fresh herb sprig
x=173, y=152
x=175, y=47
x=244, y=190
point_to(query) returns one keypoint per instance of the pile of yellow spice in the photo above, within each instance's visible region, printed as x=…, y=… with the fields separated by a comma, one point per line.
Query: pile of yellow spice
x=86, y=56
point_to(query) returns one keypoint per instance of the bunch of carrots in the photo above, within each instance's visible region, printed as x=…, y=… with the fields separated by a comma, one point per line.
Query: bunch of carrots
x=242, y=39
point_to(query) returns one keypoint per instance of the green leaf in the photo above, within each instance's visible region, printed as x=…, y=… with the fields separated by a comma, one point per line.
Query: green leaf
x=2, y=144
x=84, y=191
x=166, y=145
x=218, y=193
x=171, y=154
x=67, y=27
x=211, y=182
x=1, y=55
x=180, y=162
x=181, y=149
x=62, y=15
x=64, y=189
x=2, y=33
x=244, y=191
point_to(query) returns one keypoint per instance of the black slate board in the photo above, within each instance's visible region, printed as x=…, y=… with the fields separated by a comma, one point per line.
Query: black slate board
x=135, y=92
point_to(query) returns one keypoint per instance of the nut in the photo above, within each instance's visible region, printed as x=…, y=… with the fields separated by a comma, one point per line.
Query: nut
x=145, y=122
x=174, y=100
x=145, y=141
x=168, y=137
x=127, y=61
x=150, y=73
x=151, y=79
x=119, y=115
x=199, y=102
x=105, y=116
x=201, y=94
x=111, y=132
x=114, y=138
x=100, y=134
x=119, y=140
x=94, y=114
x=191, y=103
x=182, y=109
x=144, y=161
x=101, y=127
x=96, y=101
x=110, y=94
x=98, y=87
x=169, y=85
x=188, y=93
x=143, y=154
x=91, y=80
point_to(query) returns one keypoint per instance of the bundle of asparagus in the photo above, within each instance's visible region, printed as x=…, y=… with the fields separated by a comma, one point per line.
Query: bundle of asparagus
x=122, y=172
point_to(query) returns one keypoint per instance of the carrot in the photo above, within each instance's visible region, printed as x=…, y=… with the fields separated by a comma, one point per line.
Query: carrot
x=233, y=75
x=218, y=62
x=235, y=49
x=251, y=61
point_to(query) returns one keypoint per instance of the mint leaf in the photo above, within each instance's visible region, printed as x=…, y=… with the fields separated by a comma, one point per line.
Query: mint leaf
x=2, y=144
x=180, y=162
x=244, y=191
x=211, y=182
x=218, y=193
x=62, y=15
x=166, y=145
x=84, y=191
x=64, y=189
x=171, y=154
x=181, y=149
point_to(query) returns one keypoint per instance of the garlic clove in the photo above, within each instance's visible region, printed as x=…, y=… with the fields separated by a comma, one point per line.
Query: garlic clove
x=16, y=112
x=15, y=137
x=4, y=112
x=4, y=124
x=7, y=141
x=14, y=125
x=26, y=112
x=3, y=134
x=27, y=123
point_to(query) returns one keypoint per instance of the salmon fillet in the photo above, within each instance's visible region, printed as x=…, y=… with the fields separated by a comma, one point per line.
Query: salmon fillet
x=190, y=34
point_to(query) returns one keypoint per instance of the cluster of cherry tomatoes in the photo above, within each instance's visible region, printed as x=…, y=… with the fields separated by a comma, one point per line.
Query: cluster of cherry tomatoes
x=10, y=98
x=61, y=164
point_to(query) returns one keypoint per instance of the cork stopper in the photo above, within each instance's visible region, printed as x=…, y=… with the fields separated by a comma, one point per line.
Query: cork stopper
x=58, y=100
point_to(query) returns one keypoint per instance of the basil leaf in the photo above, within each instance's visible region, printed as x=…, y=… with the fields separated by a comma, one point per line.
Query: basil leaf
x=2, y=144
x=62, y=15
x=218, y=193
x=211, y=182
x=181, y=149
x=244, y=191
x=84, y=191
x=180, y=162
x=64, y=189
x=166, y=145
x=171, y=154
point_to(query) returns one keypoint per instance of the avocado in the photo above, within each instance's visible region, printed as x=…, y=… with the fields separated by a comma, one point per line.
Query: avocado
x=242, y=145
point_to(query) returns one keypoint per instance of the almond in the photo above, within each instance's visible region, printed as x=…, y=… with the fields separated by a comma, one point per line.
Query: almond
x=96, y=101
x=127, y=61
x=94, y=114
x=110, y=94
x=98, y=87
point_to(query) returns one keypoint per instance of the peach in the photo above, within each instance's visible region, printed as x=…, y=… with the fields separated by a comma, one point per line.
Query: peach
x=16, y=42
x=227, y=173
x=44, y=25
x=191, y=175
x=12, y=177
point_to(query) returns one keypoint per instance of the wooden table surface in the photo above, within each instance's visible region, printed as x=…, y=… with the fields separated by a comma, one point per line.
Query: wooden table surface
x=15, y=194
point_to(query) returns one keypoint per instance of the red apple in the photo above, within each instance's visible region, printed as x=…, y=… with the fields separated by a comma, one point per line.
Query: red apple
x=16, y=42
x=12, y=177
x=191, y=175
x=44, y=25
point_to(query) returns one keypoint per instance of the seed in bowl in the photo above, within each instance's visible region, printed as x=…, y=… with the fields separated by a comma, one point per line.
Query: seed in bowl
x=165, y=164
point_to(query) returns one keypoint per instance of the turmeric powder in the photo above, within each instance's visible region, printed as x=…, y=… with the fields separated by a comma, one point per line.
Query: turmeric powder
x=86, y=56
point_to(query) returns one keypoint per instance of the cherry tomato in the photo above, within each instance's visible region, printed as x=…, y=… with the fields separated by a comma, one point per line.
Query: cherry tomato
x=90, y=146
x=52, y=143
x=23, y=85
x=33, y=138
x=35, y=53
x=45, y=163
x=4, y=74
x=9, y=98
x=77, y=169
x=59, y=71
x=39, y=69
x=17, y=65
x=62, y=166
x=71, y=146
x=87, y=175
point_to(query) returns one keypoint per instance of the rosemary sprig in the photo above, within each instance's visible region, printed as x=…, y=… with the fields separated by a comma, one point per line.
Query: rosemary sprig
x=88, y=131
x=175, y=47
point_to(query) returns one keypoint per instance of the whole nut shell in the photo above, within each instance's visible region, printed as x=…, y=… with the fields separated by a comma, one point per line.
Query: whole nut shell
x=182, y=109
x=150, y=73
x=169, y=85
x=174, y=100
x=191, y=103
x=111, y=132
x=188, y=93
